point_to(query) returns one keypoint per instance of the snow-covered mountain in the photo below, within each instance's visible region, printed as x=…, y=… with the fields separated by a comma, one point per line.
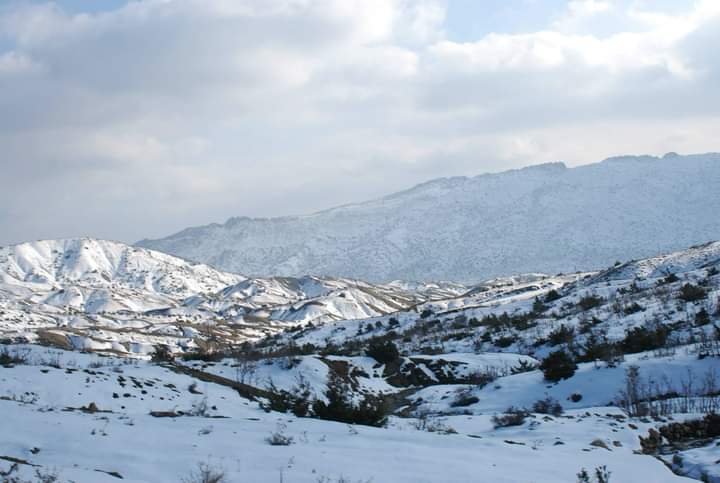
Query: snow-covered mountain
x=471, y=375
x=106, y=295
x=546, y=218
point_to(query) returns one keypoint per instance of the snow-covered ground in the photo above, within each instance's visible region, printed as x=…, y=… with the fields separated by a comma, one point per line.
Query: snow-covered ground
x=44, y=425
x=466, y=354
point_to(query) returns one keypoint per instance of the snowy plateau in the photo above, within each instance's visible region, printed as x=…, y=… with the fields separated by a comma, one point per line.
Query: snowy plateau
x=124, y=363
x=546, y=218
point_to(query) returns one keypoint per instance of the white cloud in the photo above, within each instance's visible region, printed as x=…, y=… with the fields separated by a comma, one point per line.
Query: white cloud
x=171, y=113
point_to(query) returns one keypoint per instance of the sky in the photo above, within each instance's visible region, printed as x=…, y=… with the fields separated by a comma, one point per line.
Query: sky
x=134, y=119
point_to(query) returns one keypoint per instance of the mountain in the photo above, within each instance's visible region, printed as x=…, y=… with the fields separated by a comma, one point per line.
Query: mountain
x=104, y=295
x=546, y=218
x=613, y=372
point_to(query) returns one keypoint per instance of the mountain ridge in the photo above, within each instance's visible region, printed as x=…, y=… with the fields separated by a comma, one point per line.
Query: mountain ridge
x=543, y=218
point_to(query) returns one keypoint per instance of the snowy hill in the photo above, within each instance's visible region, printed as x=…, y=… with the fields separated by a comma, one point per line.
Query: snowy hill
x=97, y=294
x=455, y=377
x=546, y=218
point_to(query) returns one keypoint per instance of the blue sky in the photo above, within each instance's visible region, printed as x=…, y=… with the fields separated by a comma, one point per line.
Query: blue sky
x=469, y=20
x=164, y=114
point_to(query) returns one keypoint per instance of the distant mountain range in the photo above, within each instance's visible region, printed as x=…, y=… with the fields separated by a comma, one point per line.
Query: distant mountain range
x=545, y=218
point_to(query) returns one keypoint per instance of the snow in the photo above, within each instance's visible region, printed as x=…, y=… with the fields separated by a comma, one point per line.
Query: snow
x=125, y=295
x=39, y=427
x=546, y=219
x=121, y=302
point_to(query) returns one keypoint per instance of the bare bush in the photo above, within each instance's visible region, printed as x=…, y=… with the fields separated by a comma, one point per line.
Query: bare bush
x=549, y=405
x=601, y=475
x=512, y=417
x=10, y=357
x=206, y=473
x=691, y=394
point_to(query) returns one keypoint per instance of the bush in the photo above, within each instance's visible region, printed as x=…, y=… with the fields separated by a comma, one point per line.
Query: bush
x=561, y=335
x=538, y=306
x=372, y=410
x=590, y=302
x=599, y=348
x=558, y=365
x=162, y=354
x=691, y=293
x=633, y=308
x=17, y=356
x=505, y=341
x=641, y=339
x=297, y=400
x=464, y=398
x=702, y=317
x=552, y=296
x=602, y=475
x=384, y=352
x=512, y=417
x=670, y=278
x=279, y=438
x=206, y=474
x=707, y=427
x=523, y=366
x=549, y=405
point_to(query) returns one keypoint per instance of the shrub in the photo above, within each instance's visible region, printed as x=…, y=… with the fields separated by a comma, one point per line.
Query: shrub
x=552, y=296
x=297, y=400
x=707, y=427
x=372, y=410
x=599, y=348
x=279, y=438
x=558, y=365
x=538, y=306
x=425, y=314
x=162, y=353
x=576, y=397
x=17, y=356
x=206, y=474
x=523, y=366
x=464, y=398
x=590, y=302
x=549, y=405
x=602, y=475
x=561, y=335
x=633, y=308
x=670, y=278
x=691, y=293
x=512, y=417
x=203, y=355
x=641, y=339
x=702, y=317
x=505, y=341
x=384, y=352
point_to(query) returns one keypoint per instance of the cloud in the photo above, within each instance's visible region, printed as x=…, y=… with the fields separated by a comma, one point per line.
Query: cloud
x=142, y=120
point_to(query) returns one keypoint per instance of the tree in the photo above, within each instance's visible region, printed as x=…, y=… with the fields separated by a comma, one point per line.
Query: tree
x=384, y=352
x=691, y=293
x=558, y=365
x=538, y=306
x=551, y=296
x=371, y=411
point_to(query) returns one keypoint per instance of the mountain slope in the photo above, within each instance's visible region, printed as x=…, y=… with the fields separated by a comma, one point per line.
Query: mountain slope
x=545, y=218
x=104, y=295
